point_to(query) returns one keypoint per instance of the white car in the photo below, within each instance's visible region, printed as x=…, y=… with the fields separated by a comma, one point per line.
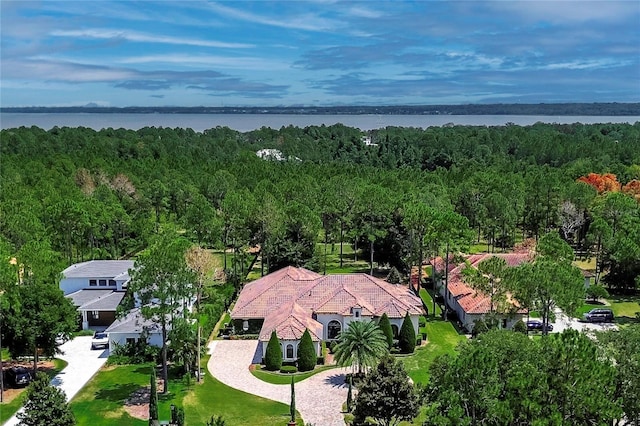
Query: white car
x=100, y=340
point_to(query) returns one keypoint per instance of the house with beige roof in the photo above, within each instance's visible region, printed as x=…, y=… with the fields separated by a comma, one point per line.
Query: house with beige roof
x=469, y=304
x=291, y=300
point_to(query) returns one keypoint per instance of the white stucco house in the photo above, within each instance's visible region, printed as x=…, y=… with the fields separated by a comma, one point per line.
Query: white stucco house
x=294, y=299
x=133, y=327
x=471, y=305
x=96, y=288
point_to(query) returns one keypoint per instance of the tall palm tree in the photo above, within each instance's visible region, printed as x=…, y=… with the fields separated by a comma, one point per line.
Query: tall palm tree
x=361, y=344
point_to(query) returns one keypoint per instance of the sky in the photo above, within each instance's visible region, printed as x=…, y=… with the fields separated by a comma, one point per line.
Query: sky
x=317, y=53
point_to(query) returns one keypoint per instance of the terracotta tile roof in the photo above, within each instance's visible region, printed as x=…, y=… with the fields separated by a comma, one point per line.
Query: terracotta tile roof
x=473, y=301
x=288, y=296
x=289, y=323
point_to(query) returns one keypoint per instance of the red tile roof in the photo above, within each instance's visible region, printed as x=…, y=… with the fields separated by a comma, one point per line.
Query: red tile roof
x=284, y=298
x=289, y=322
x=473, y=301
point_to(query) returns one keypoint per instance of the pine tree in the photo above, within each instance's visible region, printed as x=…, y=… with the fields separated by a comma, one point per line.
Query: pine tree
x=307, y=358
x=292, y=406
x=153, y=397
x=273, y=355
x=407, y=338
x=45, y=405
x=385, y=326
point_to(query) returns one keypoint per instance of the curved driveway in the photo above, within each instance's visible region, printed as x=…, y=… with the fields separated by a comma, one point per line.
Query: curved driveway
x=83, y=363
x=319, y=398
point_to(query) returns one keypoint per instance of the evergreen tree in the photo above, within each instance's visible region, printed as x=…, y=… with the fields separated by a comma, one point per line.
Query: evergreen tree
x=273, y=355
x=350, y=394
x=153, y=397
x=385, y=326
x=307, y=357
x=45, y=405
x=407, y=338
x=292, y=406
x=216, y=421
x=386, y=395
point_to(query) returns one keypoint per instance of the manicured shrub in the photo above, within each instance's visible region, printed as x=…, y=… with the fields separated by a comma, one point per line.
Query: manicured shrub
x=394, y=276
x=520, y=327
x=288, y=369
x=307, y=356
x=385, y=326
x=273, y=355
x=407, y=337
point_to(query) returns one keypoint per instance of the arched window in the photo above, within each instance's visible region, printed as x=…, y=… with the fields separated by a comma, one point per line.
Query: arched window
x=333, y=329
x=289, y=351
x=394, y=329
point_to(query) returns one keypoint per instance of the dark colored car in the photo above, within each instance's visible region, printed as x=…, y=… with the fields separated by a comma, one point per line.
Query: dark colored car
x=599, y=315
x=536, y=325
x=18, y=376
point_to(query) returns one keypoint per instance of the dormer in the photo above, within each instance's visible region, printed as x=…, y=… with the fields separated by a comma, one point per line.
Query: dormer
x=356, y=312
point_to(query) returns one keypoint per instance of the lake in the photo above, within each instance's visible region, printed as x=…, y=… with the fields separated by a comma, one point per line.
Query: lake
x=247, y=122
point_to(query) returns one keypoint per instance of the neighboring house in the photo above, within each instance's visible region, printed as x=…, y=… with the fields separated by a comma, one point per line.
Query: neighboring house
x=588, y=278
x=131, y=328
x=294, y=299
x=471, y=305
x=96, y=288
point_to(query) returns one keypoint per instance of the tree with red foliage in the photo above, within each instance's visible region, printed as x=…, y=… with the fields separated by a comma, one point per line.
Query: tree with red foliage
x=607, y=182
x=633, y=189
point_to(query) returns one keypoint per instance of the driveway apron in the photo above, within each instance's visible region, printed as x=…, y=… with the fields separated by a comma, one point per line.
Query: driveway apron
x=83, y=363
x=319, y=398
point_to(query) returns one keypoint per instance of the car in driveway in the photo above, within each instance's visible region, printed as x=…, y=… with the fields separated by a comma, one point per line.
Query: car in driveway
x=100, y=340
x=599, y=315
x=536, y=325
x=18, y=376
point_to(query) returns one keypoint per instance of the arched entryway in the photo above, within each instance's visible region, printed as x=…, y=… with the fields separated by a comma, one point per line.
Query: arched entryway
x=333, y=329
x=289, y=351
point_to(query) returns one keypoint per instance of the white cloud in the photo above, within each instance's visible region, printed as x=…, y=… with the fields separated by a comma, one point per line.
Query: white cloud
x=146, y=38
x=209, y=60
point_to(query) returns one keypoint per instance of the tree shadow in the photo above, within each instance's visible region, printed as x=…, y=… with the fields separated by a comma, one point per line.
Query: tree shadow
x=117, y=394
x=336, y=380
x=627, y=320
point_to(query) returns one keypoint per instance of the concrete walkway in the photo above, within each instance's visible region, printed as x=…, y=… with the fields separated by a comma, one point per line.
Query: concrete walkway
x=319, y=398
x=83, y=364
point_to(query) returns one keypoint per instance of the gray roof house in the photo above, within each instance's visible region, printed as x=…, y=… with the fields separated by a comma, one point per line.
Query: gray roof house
x=96, y=288
x=131, y=327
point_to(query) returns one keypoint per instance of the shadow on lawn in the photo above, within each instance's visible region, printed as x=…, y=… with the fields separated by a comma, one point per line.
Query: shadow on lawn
x=118, y=393
x=627, y=320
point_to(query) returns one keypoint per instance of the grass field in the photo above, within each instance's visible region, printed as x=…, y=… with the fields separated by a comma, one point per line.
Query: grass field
x=101, y=401
x=442, y=339
x=277, y=378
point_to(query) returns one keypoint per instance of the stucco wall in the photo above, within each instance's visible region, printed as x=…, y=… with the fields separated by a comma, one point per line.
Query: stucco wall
x=71, y=285
x=155, y=339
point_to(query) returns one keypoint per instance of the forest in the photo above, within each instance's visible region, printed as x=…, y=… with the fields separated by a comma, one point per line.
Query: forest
x=74, y=194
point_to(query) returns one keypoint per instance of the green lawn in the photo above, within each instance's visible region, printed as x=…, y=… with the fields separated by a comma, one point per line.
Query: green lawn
x=277, y=378
x=428, y=300
x=624, y=308
x=101, y=401
x=10, y=408
x=442, y=339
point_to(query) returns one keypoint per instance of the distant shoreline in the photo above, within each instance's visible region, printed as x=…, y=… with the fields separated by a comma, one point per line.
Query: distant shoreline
x=559, y=109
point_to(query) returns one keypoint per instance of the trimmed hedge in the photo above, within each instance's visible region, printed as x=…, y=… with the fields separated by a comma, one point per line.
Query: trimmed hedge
x=307, y=357
x=385, y=326
x=288, y=369
x=407, y=337
x=273, y=355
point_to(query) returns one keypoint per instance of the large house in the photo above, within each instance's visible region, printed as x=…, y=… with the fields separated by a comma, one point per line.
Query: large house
x=96, y=288
x=291, y=300
x=471, y=305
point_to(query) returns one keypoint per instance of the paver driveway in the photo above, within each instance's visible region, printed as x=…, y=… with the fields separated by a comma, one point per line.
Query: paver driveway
x=83, y=363
x=319, y=398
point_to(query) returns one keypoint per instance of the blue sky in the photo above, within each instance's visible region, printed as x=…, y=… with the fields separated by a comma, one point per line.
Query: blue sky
x=269, y=53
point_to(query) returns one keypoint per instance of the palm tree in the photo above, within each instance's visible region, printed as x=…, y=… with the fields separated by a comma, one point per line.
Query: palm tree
x=361, y=344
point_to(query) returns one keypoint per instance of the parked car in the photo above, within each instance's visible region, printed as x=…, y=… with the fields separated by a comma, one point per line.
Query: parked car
x=100, y=340
x=599, y=315
x=18, y=376
x=536, y=325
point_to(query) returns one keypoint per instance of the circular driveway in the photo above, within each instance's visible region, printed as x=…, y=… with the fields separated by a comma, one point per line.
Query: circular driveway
x=83, y=363
x=319, y=398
